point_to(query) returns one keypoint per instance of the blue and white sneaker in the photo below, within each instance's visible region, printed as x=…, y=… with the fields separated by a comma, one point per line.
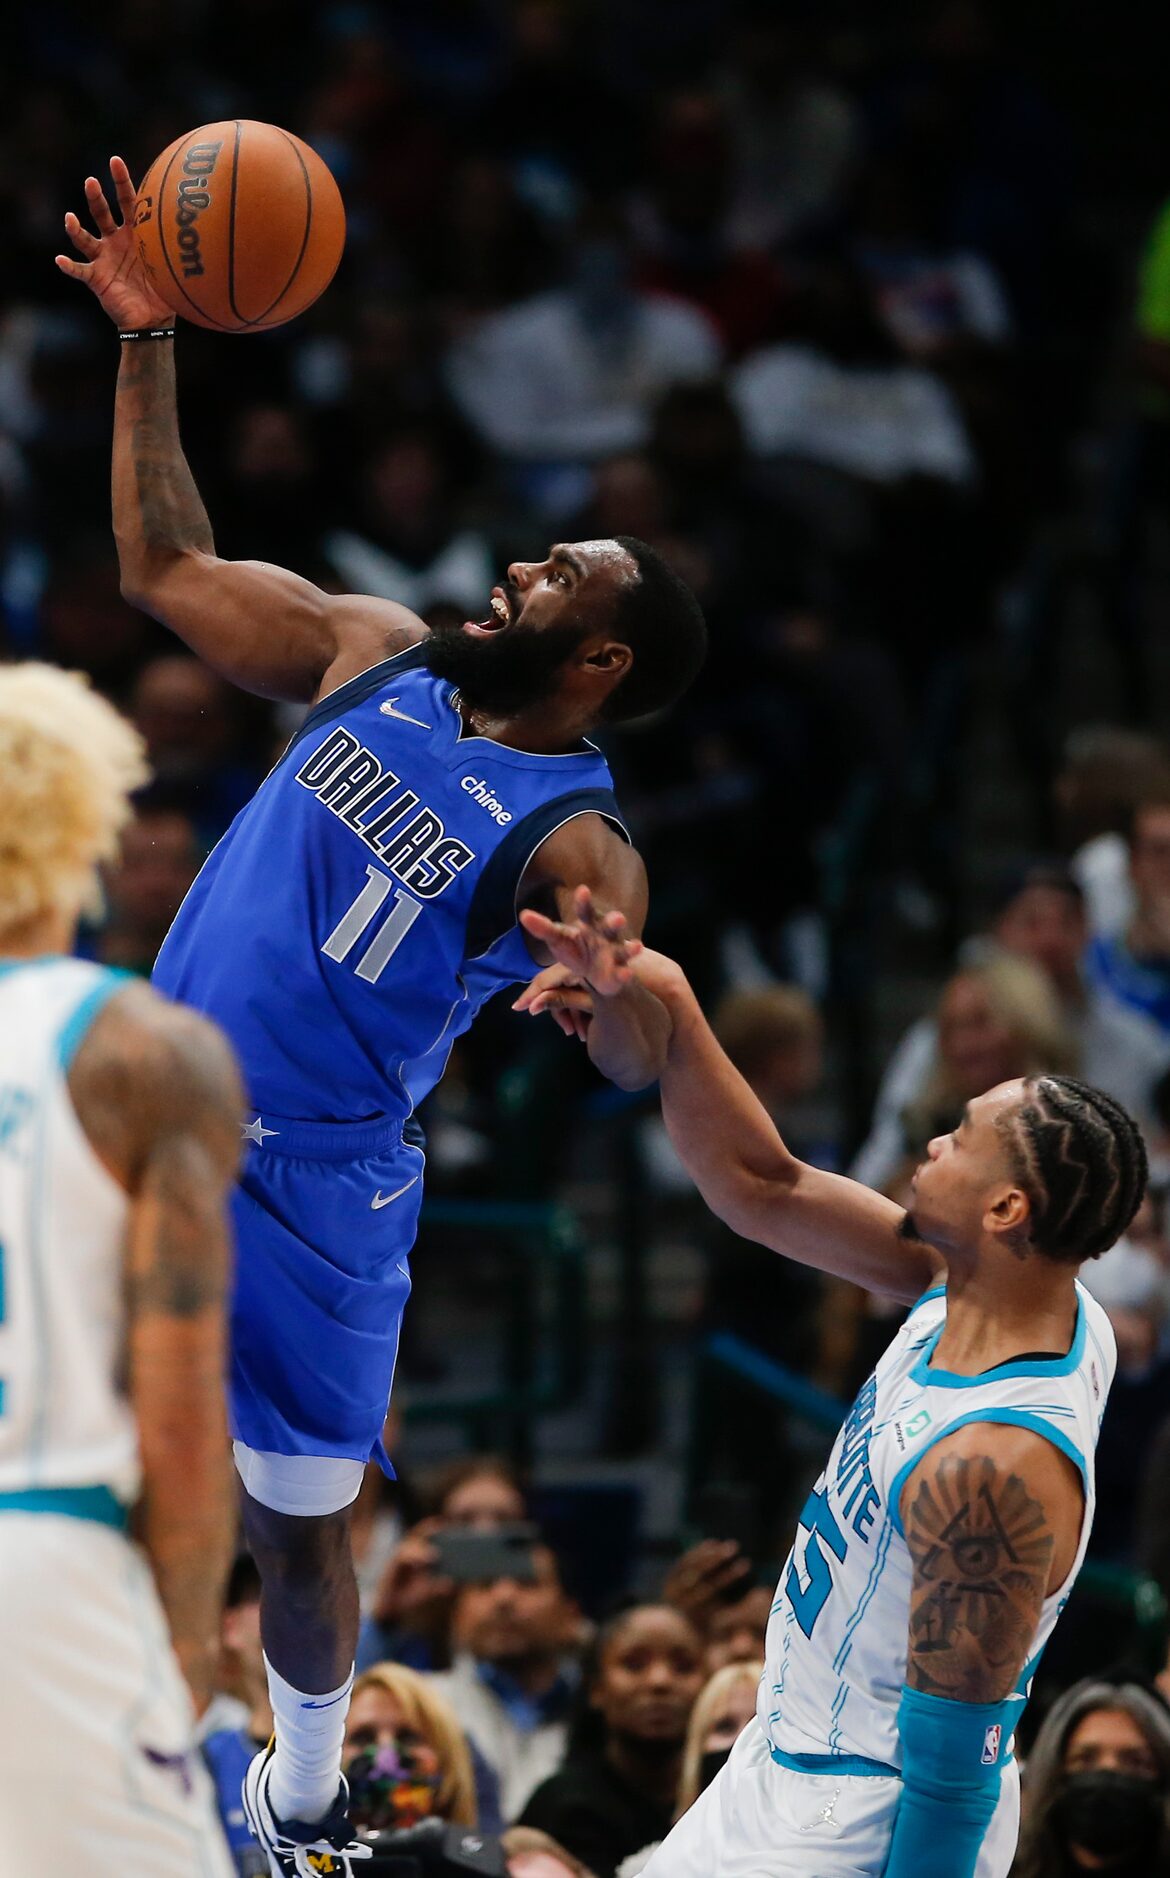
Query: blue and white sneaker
x=296, y=1848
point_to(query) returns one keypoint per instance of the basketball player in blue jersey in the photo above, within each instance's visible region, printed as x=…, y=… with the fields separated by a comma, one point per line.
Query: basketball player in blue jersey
x=348, y=927
x=941, y=1543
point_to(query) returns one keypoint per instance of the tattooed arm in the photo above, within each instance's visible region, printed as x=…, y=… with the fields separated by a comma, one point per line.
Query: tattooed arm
x=263, y=627
x=992, y=1517
x=160, y=1101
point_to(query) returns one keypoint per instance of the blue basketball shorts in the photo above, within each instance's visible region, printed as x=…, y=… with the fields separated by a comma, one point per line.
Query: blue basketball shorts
x=325, y=1215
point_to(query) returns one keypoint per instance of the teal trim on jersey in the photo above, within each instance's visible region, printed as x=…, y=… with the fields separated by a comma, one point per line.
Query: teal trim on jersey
x=1009, y=1417
x=854, y=1765
x=78, y=1022
x=936, y=1291
x=1003, y=1372
x=98, y=1504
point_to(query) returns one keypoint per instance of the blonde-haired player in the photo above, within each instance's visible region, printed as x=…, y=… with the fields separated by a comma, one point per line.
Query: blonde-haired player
x=119, y=1131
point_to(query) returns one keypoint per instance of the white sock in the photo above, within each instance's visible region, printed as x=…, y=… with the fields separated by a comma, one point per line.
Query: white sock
x=306, y=1768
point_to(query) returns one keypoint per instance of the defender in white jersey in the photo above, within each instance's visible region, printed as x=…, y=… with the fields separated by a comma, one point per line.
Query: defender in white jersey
x=119, y=1124
x=938, y=1548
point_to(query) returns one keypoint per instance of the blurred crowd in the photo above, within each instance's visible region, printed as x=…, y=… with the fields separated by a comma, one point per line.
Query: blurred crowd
x=864, y=323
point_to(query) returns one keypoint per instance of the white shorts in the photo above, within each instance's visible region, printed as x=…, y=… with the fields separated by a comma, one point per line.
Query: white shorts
x=97, y=1769
x=758, y=1820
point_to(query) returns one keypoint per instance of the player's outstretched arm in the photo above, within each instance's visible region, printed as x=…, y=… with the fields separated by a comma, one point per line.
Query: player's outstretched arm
x=262, y=627
x=992, y=1518
x=158, y=1095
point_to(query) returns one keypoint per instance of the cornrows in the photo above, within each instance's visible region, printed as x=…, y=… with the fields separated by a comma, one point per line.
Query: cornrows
x=1082, y=1162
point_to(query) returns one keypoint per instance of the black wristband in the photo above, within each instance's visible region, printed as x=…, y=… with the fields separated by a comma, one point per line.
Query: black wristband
x=149, y=332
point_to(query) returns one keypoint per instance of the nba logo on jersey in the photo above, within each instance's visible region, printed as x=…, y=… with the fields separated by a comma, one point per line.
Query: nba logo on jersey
x=991, y=1741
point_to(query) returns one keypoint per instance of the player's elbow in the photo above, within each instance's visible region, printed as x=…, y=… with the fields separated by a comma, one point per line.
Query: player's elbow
x=156, y=579
x=750, y=1202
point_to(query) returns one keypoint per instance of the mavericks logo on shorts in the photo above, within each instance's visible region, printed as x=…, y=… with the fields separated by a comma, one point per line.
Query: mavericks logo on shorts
x=991, y=1741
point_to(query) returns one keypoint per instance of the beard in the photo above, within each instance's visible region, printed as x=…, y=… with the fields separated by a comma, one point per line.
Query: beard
x=507, y=673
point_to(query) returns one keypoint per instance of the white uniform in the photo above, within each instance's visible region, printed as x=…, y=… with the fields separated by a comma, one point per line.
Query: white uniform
x=97, y=1772
x=813, y=1783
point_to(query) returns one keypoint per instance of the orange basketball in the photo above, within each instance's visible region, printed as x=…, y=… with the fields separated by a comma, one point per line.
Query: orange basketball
x=240, y=225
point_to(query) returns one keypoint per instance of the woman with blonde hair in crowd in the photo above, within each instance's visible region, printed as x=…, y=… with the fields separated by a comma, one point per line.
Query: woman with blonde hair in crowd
x=1096, y=1793
x=406, y=1758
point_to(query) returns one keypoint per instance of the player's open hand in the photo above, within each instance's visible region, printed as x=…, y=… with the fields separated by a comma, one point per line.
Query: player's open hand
x=597, y=948
x=112, y=267
x=565, y=996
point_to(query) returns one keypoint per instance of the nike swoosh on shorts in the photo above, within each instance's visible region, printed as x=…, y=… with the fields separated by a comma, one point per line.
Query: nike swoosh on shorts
x=381, y=1199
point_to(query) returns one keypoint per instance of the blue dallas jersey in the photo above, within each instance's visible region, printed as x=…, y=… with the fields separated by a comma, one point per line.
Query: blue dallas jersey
x=361, y=909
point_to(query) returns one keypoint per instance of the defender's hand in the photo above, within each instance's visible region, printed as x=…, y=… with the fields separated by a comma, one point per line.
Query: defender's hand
x=112, y=268
x=564, y=995
x=595, y=948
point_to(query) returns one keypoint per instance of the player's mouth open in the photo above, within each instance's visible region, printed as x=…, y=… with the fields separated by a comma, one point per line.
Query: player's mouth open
x=499, y=616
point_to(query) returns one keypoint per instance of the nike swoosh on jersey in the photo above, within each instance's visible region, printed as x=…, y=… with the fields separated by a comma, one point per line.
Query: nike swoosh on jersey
x=387, y=709
x=381, y=1199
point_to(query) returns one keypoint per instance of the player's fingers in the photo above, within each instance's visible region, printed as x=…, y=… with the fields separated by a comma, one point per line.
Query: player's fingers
x=540, y=926
x=613, y=924
x=77, y=270
x=79, y=235
x=583, y=907
x=99, y=208
x=123, y=187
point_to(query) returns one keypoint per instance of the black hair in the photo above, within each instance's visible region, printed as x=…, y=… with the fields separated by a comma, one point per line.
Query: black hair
x=661, y=621
x=1043, y=871
x=1082, y=1162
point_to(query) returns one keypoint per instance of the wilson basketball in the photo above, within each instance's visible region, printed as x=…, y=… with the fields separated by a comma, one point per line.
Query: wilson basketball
x=240, y=225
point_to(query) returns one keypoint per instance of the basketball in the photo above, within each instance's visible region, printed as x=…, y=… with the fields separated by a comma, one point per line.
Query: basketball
x=240, y=225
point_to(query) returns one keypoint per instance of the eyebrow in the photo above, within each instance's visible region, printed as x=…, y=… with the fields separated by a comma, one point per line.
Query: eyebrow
x=568, y=559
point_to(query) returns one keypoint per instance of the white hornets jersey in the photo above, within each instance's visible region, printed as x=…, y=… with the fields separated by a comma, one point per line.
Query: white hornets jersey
x=835, y=1659
x=65, y=1422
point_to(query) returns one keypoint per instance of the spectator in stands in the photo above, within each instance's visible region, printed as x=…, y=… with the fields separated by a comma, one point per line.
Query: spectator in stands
x=404, y=540
x=405, y=1755
x=410, y=1615
x=795, y=134
x=191, y=721
x=1105, y=771
x=159, y=857
x=514, y=1675
x=726, y=1704
x=1134, y=965
x=996, y=1018
x=571, y=375
x=616, y=1790
x=532, y=1854
x=735, y=1633
x=1096, y=1794
x=1040, y=916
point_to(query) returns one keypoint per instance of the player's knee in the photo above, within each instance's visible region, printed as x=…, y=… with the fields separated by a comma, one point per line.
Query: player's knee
x=289, y=1548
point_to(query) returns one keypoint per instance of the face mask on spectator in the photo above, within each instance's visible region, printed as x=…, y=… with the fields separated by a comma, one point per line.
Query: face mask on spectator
x=1109, y=1814
x=385, y=1791
x=709, y=1765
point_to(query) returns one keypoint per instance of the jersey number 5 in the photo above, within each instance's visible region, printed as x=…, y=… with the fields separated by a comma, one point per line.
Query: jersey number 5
x=808, y=1600
x=362, y=915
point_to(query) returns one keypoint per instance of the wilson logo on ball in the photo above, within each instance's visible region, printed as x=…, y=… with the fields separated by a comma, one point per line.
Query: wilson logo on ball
x=194, y=196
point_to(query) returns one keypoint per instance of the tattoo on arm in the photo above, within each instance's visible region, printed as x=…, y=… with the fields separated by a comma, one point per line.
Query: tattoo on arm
x=172, y=515
x=982, y=1548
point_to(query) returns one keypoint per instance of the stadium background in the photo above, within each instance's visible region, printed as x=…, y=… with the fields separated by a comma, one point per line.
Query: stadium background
x=864, y=322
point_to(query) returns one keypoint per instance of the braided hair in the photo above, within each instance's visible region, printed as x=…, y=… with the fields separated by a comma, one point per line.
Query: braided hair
x=1081, y=1160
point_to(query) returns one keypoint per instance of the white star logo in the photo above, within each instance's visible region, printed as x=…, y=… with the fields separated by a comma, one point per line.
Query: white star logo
x=256, y=1131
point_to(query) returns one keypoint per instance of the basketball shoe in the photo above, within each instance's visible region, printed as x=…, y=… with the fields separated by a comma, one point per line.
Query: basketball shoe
x=320, y=1848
